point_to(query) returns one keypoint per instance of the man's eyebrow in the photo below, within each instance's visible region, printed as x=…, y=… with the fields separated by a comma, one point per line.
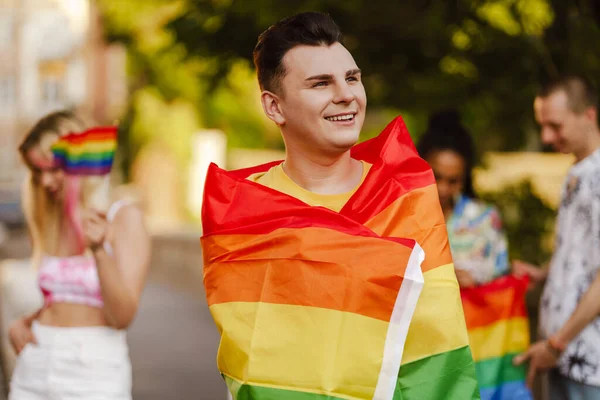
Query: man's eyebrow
x=329, y=77
x=322, y=77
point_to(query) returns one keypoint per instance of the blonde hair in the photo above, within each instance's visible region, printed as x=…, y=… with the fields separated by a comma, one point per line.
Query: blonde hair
x=43, y=213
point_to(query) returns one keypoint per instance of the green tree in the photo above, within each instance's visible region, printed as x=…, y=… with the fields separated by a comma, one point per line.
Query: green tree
x=176, y=93
x=486, y=57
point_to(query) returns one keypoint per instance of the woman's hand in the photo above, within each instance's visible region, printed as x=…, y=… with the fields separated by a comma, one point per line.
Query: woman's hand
x=536, y=274
x=20, y=334
x=95, y=228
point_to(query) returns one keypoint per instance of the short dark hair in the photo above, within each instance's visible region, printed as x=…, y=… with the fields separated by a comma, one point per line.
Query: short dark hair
x=309, y=28
x=446, y=132
x=580, y=91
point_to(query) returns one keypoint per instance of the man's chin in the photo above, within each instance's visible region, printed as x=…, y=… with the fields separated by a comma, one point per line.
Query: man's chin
x=344, y=146
x=346, y=140
x=561, y=149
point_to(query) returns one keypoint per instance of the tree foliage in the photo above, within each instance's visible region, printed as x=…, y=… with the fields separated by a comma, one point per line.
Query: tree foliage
x=175, y=93
x=528, y=222
x=486, y=57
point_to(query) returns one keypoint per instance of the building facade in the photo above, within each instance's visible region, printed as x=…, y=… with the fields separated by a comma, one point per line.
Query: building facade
x=52, y=56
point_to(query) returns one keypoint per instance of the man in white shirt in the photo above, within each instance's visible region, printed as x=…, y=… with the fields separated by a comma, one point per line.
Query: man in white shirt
x=567, y=111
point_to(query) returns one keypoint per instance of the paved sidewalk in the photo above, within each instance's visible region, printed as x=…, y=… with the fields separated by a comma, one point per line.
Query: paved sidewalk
x=174, y=348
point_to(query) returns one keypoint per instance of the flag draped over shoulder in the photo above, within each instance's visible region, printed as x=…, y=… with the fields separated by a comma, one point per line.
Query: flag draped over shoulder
x=498, y=327
x=315, y=304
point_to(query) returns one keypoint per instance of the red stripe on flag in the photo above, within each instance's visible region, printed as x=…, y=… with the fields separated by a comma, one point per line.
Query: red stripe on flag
x=396, y=170
x=92, y=135
x=502, y=299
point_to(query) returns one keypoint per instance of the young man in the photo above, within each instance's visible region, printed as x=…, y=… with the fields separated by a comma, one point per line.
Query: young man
x=567, y=111
x=306, y=271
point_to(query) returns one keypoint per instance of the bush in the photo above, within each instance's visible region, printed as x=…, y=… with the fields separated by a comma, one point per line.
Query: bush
x=528, y=221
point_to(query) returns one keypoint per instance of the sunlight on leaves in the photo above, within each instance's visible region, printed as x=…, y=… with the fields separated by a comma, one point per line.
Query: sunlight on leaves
x=536, y=16
x=499, y=15
x=515, y=17
x=458, y=66
x=461, y=40
x=170, y=124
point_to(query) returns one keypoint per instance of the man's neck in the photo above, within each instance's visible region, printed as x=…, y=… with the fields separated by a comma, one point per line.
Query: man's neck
x=323, y=175
x=590, y=147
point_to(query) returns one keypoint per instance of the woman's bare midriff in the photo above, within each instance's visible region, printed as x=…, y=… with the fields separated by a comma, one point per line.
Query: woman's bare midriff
x=72, y=315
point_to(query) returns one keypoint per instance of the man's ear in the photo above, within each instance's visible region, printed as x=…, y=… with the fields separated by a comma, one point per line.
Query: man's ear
x=592, y=114
x=272, y=107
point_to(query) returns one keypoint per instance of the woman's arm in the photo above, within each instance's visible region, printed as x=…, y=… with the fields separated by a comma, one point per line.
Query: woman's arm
x=123, y=274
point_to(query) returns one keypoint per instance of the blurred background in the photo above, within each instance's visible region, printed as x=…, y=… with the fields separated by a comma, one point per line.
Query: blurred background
x=177, y=77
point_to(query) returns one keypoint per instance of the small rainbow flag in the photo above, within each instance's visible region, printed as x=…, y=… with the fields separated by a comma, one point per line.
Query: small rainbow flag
x=498, y=327
x=313, y=304
x=88, y=153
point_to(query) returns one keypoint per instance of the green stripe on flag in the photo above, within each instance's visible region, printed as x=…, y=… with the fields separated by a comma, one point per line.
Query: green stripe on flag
x=446, y=376
x=496, y=371
x=254, y=392
x=99, y=156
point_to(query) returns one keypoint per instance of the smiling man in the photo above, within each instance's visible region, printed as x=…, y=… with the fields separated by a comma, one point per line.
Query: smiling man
x=312, y=90
x=567, y=112
x=329, y=273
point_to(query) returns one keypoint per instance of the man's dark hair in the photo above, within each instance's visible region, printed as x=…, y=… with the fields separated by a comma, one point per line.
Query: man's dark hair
x=446, y=132
x=309, y=28
x=580, y=92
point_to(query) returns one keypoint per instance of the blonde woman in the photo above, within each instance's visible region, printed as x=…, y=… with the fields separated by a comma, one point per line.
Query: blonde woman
x=92, y=266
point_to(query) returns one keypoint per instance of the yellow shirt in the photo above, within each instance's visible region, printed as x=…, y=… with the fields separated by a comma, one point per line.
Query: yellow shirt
x=277, y=179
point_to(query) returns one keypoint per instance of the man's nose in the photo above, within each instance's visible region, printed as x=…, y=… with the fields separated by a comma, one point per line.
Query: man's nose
x=548, y=135
x=344, y=93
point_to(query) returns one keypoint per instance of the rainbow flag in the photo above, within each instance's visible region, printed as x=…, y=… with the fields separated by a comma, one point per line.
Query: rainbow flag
x=498, y=326
x=88, y=153
x=314, y=304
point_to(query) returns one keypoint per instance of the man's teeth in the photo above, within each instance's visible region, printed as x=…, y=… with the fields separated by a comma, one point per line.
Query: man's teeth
x=340, y=118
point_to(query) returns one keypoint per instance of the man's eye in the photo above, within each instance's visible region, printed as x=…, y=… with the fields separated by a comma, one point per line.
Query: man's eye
x=352, y=79
x=320, y=84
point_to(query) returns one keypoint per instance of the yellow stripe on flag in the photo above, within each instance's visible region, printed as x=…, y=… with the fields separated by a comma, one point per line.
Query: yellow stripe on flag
x=501, y=338
x=313, y=347
x=438, y=324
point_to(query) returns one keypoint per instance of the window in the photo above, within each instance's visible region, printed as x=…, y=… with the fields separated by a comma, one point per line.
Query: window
x=52, y=74
x=51, y=90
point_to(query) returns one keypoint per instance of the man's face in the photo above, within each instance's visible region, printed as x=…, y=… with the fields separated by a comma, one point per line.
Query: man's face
x=322, y=100
x=560, y=127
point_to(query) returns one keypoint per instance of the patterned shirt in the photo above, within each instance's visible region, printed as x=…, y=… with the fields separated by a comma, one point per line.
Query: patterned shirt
x=574, y=266
x=477, y=240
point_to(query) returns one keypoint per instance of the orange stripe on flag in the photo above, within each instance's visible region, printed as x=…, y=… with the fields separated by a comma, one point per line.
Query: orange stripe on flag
x=422, y=220
x=306, y=267
x=499, y=300
x=498, y=306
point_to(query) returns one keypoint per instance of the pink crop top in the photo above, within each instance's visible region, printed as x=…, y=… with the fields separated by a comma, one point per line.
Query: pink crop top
x=74, y=279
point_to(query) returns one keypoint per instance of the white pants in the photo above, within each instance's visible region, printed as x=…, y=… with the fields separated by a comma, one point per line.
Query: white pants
x=89, y=363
